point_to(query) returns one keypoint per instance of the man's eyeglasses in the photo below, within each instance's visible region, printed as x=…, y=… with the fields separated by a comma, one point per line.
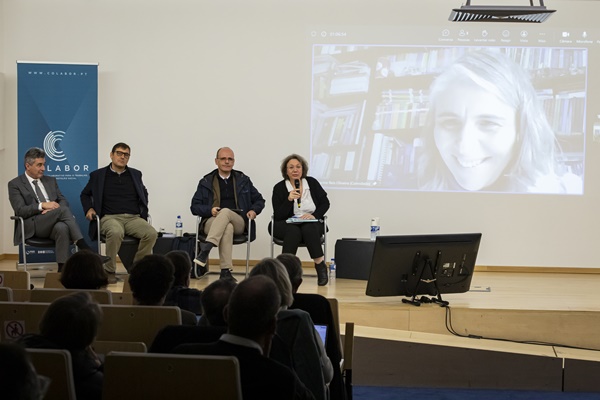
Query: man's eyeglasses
x=223, y=159
x=121, y=154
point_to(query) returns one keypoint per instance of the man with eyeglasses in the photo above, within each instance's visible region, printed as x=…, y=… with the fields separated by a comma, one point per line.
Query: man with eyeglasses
x=227, y=201
x=118, y=196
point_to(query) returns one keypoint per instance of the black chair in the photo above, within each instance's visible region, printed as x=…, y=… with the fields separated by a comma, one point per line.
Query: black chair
x=32, y=241
x=198, y=271
x=128, y=248
x=279, y=242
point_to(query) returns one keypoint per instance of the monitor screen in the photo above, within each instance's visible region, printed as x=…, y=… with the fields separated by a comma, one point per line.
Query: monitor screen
x=411, y=265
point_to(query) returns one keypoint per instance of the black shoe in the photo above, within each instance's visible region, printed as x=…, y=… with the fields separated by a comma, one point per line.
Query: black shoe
x=226, y=274
x=112, y=278
x=199, y=271
x=322, y=278
x=202, y=257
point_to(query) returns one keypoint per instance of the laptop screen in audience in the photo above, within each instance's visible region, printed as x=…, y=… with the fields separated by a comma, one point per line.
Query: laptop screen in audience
x=322, y=329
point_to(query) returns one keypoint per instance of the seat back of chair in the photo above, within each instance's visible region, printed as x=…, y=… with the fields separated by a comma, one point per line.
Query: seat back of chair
x=123, y=298
x=52, y=281
x=347, y=347
x=6, y=294
x=135, y=323
x=134, y=376
x=336, y=318
x=15, y=279
x=56, y=365
x=102, y=296
x=18, y=319
x=106, y=346
x=172, y=336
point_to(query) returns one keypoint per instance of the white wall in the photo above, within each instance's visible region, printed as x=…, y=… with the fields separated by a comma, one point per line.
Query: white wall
x=3, y=117
x=180, y=78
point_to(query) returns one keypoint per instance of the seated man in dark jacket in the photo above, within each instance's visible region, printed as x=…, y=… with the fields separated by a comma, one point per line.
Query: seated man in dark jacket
x=227, y=201
x=252, y=318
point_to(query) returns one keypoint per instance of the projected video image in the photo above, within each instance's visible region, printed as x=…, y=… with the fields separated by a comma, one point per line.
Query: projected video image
x=494, y=119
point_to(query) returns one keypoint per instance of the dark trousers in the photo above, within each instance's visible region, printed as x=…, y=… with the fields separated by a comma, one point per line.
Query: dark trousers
x=60, y=226
x=308, y=233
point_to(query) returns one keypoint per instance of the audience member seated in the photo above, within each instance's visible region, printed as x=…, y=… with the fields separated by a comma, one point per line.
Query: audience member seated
x=293, y=266
x=150, y=280
x=320, y=312
x=18, y=379
x=180, y=294
x=298, y=332
x=71, y=322
x=251, y=317
x=211, y=326
x=214, y=299
x=84, y=270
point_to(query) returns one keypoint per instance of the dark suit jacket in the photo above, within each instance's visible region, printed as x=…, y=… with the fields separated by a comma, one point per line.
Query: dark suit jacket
x=91, y=195
x=24, y=201
x=261, y=377
x=320, y=312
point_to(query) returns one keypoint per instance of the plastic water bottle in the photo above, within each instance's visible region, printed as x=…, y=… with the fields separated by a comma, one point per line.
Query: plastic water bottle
x=374, y=228
x=332, y=269
x=179, y=227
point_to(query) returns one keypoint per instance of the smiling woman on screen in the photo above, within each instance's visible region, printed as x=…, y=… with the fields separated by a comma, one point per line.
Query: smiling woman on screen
x=489, y=132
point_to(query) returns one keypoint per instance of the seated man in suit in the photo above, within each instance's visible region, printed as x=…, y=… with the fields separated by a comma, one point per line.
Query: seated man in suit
x=150, y=280
x=117, y=194
x=252, y=318
x=226, y=200
x=37, y=199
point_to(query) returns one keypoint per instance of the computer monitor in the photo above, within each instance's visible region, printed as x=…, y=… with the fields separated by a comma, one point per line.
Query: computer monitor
x=411, y=265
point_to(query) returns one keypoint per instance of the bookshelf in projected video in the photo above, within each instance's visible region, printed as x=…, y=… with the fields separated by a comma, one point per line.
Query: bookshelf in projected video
x=370, y=108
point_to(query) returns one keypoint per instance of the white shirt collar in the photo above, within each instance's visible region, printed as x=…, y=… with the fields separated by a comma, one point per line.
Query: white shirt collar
x=240, y=341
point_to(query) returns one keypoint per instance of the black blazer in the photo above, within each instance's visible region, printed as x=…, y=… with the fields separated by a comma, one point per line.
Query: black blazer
x=91, y=195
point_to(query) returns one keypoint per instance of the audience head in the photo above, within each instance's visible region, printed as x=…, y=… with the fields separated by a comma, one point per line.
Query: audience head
x=150, y=280
x=252, y=309
x=182, y=266
x=72, y=321
x=276, y=271
x=18, y=379
x=286, y=163
x=84, y=270
x=214, y=299
x=293, y=265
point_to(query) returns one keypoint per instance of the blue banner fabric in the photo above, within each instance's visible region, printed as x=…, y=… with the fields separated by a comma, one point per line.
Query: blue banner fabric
x=58, y=111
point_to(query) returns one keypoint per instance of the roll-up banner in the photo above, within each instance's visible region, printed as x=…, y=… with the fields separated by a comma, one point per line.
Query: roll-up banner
x=57, y=110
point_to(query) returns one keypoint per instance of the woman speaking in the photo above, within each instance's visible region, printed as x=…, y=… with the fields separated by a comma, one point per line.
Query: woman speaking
x=303, y=198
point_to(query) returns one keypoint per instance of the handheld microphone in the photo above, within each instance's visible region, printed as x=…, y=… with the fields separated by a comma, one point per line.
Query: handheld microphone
x=297, y=185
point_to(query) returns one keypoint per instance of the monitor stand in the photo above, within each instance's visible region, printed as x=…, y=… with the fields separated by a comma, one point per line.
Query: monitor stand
x=424, y=299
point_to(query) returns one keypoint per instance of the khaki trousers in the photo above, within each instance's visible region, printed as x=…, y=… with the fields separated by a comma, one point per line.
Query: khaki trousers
x=219, y=231
x=115, y=227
